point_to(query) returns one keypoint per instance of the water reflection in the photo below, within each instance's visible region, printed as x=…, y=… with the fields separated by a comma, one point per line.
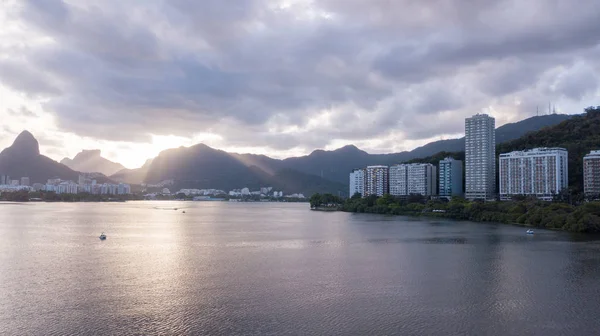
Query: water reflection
x=224, y=268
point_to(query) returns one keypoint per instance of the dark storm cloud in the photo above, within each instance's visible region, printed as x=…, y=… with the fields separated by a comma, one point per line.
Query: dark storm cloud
x=125, y=70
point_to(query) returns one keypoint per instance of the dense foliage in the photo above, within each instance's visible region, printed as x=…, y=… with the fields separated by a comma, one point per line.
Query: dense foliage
x=325, y=200
x=531, y=212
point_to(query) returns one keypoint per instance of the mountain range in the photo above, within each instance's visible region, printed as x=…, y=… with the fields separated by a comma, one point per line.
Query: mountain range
x=201, y=166
x=23, y=158
x=205, y=167
x=91, y=161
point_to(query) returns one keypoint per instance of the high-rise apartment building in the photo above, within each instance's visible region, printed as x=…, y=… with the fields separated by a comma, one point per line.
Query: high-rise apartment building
x=376, y=180
x=412, y=179
x=357, y=182
x=480, y=157
x=451, y=177
x=399, y=180
x=541, y=172
x=591, y=175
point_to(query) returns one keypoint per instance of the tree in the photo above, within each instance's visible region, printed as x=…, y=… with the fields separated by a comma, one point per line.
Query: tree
x=416, y=198
x=316, y=200
x=385, y=200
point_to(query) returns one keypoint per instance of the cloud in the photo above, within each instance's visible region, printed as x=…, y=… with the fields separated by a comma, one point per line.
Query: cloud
x=299, y=74
x=22, y=112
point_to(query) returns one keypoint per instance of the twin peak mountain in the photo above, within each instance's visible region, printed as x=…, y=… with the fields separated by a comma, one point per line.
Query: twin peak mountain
x=201, y=166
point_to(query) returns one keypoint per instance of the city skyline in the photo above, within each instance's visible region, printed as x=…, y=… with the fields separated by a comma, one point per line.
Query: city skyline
x=539, y=172
x=288, y=77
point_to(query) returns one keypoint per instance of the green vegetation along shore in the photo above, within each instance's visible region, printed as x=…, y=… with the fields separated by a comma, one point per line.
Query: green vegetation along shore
x=550, y=215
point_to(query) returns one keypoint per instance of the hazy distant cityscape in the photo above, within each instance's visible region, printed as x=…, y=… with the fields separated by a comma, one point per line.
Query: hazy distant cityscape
x=85, y=184
x=218, y=194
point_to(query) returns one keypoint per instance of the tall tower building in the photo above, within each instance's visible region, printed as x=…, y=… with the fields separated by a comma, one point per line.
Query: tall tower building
x=357, y=182
x=376, y=180
x=480, y=157
x=451, y=177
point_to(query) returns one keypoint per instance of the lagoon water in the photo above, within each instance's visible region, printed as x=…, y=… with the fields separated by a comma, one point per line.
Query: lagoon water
x=280, y=269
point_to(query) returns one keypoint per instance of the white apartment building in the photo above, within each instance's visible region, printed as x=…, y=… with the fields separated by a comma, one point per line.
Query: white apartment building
x=412, y=179
x=451, y=177
x=66, y=187
x=480, y=157
x=357, y=182
x=541, y=172
x=376, y=180
x=591, y=175
x=399, y=180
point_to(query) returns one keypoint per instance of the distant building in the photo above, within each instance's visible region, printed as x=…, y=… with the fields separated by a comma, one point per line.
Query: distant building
x=123, y=189
x=376, y=180
x=14, y=182
x=38, y=186
x=357, y=182
x=413, y=179
x=245, y=191
x=54, y=181
x=24, y=181
x=541, y=172
x=13, y=188
x=480, y=157
x=591, y=175
x=3, y=179
x=166, y=191
x=66, y=187
x=451, y=177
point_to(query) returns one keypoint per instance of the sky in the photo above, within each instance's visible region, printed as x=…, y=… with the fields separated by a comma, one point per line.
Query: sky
x=285, y=77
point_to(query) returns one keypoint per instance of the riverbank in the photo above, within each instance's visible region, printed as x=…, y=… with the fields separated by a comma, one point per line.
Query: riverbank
x=584, y=218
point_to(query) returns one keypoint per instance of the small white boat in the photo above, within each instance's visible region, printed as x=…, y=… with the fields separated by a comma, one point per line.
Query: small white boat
x=102, y=236
x=530, y=231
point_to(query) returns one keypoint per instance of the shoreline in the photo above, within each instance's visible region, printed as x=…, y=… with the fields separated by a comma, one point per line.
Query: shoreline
x=439, y=215
x=427, y=215
x=326, y=209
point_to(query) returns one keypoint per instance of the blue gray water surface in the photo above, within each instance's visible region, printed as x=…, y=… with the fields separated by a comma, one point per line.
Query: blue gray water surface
x=280, y=269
